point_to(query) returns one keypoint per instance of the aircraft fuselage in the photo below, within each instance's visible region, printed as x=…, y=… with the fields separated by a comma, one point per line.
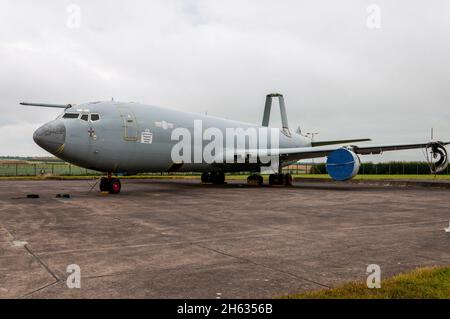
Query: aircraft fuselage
x=131, y=138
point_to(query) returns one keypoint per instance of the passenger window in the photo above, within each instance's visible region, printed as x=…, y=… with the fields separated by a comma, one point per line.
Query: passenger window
x=84, y=117
x=95, y=117
x=71, y=115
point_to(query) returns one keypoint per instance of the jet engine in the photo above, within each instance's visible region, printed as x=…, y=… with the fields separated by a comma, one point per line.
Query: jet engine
x=437, y=157
x=343, y=164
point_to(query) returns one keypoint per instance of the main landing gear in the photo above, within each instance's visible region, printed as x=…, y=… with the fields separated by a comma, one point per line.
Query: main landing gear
x=217, y=178
x=255, y=179
x=280, y=179
x=110, y=185
x=274, y=179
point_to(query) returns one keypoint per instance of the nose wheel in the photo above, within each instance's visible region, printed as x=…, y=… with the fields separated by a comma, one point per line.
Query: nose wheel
x=110, y=185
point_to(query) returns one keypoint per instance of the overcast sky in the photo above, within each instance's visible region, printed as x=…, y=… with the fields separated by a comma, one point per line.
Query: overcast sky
x=339, y=77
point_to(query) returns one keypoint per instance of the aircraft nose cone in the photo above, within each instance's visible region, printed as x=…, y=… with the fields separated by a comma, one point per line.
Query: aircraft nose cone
x=51, y=136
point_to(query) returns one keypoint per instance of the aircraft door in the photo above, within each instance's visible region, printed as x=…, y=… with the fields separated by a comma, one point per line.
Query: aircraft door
x=129, y=123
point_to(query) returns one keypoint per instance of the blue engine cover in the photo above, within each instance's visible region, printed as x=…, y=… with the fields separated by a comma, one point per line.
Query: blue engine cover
x=342, y=164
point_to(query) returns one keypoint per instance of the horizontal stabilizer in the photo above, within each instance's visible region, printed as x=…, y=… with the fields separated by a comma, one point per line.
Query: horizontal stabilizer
x=323, y=143
x=61, y=106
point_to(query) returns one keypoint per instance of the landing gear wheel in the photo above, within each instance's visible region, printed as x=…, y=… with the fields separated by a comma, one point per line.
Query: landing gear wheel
x=105, y=185
x=274, y=179
x=288, y=179
x=260, y=180
x=218, y=178
x=255, y=180
x=115, y=186
x=280, y=179
x=206, y=177
x=110, y=185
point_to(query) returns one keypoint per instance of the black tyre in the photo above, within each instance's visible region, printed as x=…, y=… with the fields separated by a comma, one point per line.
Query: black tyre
x=218, y=178
x=288, y=180
x=272, y=179
x=105, y=185
x=277, y=179
x=206, y=177
x=260, y=180
x=255, y=179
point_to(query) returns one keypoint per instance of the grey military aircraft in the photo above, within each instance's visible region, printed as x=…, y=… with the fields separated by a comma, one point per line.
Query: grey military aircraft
x=119, y=138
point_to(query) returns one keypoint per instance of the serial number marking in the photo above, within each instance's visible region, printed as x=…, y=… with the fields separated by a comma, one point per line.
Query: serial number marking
x=246, y=308
x=226, y=308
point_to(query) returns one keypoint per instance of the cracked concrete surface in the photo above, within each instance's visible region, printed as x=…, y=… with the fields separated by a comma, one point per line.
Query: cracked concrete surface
x=180, y=239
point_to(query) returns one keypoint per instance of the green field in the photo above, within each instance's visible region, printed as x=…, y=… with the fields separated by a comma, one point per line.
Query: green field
x=422, y=283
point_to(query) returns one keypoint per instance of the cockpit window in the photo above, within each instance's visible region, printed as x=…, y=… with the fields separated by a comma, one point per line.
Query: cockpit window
x=71, y=115
x=84, y=117
x=95, y=117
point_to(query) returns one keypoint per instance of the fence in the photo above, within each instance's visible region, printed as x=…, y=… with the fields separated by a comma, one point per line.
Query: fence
x=43, y=169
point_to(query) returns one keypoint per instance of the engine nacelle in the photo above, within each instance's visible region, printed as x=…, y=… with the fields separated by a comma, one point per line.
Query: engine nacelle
x=343, y=164
x=438, y=159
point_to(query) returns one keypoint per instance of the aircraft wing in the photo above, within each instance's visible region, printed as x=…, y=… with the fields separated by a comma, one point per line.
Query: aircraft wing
x=294, y=154
x=299, y=153
x=323, y=143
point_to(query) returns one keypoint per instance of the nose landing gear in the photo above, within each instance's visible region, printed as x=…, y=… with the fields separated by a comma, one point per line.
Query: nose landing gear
x=110, y=185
